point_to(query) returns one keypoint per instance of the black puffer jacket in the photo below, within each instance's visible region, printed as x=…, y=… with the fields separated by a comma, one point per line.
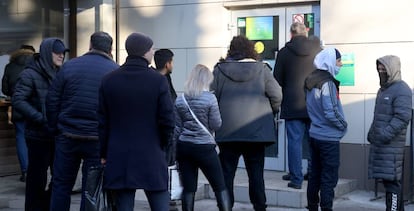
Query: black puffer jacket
x=388, y=130
x=294, y=63
x=72, y=100
x=31, y=89
x=18, y=61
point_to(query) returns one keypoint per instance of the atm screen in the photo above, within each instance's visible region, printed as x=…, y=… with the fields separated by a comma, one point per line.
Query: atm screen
x=264, y=31
x=259, y=28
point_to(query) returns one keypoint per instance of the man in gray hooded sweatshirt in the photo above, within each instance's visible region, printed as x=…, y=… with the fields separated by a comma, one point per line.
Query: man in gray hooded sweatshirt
x=388, y=130
x=328, y=126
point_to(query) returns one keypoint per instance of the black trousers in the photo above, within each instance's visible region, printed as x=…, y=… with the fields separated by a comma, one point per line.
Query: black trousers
x=41, y=154
x=253, y=155
x=192, y=157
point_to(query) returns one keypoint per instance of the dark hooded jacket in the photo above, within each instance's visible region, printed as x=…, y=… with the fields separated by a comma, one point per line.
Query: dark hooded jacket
x=248, y=97
x=18, y=61
x=388, y=130
x=294, y=63
x=31, y=90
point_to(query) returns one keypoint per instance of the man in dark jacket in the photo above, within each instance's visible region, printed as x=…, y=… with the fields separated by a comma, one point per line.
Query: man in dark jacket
x=388, y=130
x=29, y=99
x=72, y=103
x=136, y=121
x=18, y=61
x=293, y=63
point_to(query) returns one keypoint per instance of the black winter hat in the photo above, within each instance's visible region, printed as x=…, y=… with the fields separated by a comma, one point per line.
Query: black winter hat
x=138, y=44
x=338, y=55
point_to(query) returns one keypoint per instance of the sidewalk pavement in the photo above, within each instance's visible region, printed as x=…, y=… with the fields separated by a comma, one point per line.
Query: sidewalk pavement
x=12, y=199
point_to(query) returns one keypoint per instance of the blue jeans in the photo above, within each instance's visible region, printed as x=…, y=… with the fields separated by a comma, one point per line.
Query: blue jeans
x=21, y=146
x=253, y=155
x=324, y=173
x=297, y=132
x=68, y=156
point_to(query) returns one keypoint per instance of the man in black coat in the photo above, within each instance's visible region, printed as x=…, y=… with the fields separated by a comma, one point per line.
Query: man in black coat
x=136, y=121
x=293, y=63
x=72, y=103
x=18, y=61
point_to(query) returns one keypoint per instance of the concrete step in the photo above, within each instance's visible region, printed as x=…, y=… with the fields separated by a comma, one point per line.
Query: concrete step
x=277, y=192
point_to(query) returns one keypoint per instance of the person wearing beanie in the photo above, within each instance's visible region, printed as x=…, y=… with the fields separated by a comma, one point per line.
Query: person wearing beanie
x=29, y=99
x=71, y=106
x=138, y=44
x=388, y=131
x=327, y=128
x=136, y=122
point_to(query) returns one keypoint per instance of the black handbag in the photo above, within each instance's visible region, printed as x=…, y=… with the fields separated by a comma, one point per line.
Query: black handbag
x=97, y=199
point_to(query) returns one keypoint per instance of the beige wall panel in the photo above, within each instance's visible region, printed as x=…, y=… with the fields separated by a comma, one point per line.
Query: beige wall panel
x=366, y=76
x=180, y=71
x=356, y=21
x=353, y=105
x=188, y=26
x=146, y=3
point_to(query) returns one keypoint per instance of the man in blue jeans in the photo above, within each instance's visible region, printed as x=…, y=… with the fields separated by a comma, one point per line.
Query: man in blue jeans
x=293, y=63
x=72, y=104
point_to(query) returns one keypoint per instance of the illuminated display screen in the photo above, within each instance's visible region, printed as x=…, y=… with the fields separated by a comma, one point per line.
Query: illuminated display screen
x=259, y=28
x=264, y=31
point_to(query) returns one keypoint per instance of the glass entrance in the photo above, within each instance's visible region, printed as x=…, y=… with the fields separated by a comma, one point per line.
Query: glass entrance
x=269, y=29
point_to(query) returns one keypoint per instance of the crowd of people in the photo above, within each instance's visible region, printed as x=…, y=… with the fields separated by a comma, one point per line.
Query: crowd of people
x=90, y=111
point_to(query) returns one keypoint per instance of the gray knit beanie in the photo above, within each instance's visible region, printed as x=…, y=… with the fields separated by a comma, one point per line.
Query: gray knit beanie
x=138, y=44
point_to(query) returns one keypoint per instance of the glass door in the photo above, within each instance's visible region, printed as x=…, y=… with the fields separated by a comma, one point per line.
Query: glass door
x=269, y=29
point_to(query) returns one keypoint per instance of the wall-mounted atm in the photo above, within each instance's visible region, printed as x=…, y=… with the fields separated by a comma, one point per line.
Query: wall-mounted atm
x=269, y=29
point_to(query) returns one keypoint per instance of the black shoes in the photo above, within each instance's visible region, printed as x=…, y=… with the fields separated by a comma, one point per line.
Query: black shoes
x=294, y=186
x=287, y=177
x=23, y=177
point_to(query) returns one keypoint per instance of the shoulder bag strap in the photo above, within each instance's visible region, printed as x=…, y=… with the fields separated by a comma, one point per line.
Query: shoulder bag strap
x=195, y=117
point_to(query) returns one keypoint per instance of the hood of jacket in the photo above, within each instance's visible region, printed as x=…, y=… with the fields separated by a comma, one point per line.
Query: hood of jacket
x=300, y=46
x=326, y=60
x=241, y=70
x=43, y=60
x=393, y=66
x=21, y=56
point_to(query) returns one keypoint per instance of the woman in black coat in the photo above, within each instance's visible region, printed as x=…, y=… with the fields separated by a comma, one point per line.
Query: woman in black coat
x=136, y=122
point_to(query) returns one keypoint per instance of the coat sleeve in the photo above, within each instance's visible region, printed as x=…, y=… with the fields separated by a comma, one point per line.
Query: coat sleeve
x=278, y=69
x=53, y=101
x=273, y=91
x=165, y=113
x=5, y=82
x=103, y=128
x=214, y=117
x=330, y=103
x=214, y=85
x=21, y=98
x=401, y=116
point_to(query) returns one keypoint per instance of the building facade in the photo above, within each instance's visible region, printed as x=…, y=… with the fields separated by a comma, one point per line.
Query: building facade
x=199, y=31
